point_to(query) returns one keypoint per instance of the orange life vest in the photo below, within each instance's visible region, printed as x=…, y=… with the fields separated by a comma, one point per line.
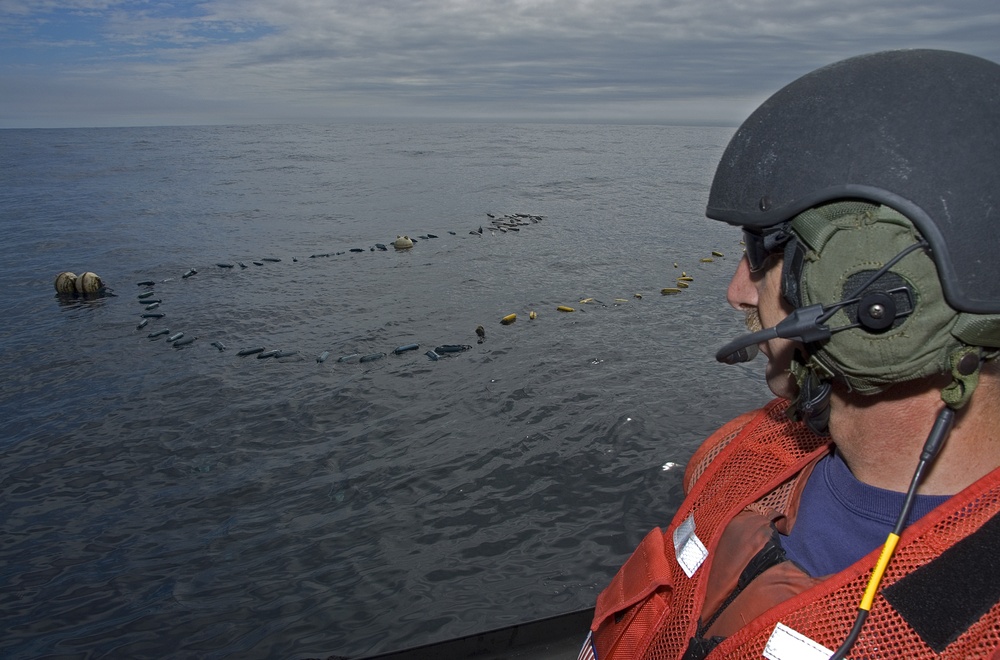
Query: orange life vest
x=747, y=478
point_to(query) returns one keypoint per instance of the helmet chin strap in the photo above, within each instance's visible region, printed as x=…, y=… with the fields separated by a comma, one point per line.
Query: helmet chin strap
x=812, y=404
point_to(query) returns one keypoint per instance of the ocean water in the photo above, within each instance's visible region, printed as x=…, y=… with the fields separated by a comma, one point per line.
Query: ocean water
x=189, y=502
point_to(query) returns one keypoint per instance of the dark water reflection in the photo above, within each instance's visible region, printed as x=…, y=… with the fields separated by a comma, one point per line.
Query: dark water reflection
x=193, y=503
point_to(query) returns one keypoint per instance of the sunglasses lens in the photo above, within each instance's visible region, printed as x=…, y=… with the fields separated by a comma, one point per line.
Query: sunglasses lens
x=757, y=254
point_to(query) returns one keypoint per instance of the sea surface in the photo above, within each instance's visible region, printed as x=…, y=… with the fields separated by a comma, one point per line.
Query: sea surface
x=187, y=502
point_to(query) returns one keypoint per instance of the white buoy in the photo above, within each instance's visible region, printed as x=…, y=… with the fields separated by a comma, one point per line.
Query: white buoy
x=88, y=283
x=66, y=283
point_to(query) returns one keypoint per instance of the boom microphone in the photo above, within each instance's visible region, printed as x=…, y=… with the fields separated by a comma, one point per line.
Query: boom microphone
x=744, y=354
x=804, y=324
x=744, y=348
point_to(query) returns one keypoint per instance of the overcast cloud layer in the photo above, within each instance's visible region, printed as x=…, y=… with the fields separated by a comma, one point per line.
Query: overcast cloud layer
x=133, y=62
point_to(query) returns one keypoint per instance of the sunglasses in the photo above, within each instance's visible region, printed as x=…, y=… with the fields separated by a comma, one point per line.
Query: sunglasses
x=761, y=245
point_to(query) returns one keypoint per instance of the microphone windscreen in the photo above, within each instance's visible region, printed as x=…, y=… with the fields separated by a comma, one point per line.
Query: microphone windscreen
x=749, y=353
x=742, y=354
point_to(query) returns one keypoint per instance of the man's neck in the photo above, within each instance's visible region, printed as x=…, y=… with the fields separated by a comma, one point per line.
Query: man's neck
x=881, y=437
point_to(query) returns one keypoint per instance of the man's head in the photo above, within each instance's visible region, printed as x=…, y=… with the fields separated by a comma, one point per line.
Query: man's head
x=875, y=184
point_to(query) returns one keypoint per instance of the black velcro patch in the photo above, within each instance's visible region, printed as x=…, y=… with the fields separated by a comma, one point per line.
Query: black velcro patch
x=943, y=598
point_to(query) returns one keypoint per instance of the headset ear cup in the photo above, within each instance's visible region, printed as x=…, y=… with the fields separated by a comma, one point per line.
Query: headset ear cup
x=888, y=317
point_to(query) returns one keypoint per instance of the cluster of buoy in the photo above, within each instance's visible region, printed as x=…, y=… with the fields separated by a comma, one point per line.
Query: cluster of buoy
x=86, y=284
x=229, y=264
x=353, y=358
x=433, y=354
x=509, y=222
x=259, y=351
x=498, y=223
x=683, y=281
x=68, y=283
x=151, y=312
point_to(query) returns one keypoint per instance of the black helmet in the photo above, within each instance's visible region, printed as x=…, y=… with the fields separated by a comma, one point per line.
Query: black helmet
x=916, y=130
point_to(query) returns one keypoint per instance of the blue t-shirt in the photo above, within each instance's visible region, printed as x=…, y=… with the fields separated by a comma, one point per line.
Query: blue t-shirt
x=841, y=519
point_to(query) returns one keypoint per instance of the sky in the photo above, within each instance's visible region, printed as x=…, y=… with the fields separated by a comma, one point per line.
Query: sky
x=81, y=63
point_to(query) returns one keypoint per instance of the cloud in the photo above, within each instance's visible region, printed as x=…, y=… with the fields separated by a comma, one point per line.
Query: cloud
x=323, y=60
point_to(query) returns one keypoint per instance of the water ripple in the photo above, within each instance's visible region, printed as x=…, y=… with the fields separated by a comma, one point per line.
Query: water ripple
x=223, y=506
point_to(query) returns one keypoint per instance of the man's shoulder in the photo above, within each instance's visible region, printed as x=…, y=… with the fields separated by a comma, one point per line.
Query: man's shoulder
x=710, y=449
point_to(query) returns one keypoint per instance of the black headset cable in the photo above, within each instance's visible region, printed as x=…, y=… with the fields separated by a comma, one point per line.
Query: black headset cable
x=935, y=440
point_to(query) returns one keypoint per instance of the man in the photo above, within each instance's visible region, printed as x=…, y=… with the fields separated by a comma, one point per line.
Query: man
x=858, y=512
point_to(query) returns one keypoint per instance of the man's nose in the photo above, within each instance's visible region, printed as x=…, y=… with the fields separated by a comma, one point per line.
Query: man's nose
x=741, y=292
